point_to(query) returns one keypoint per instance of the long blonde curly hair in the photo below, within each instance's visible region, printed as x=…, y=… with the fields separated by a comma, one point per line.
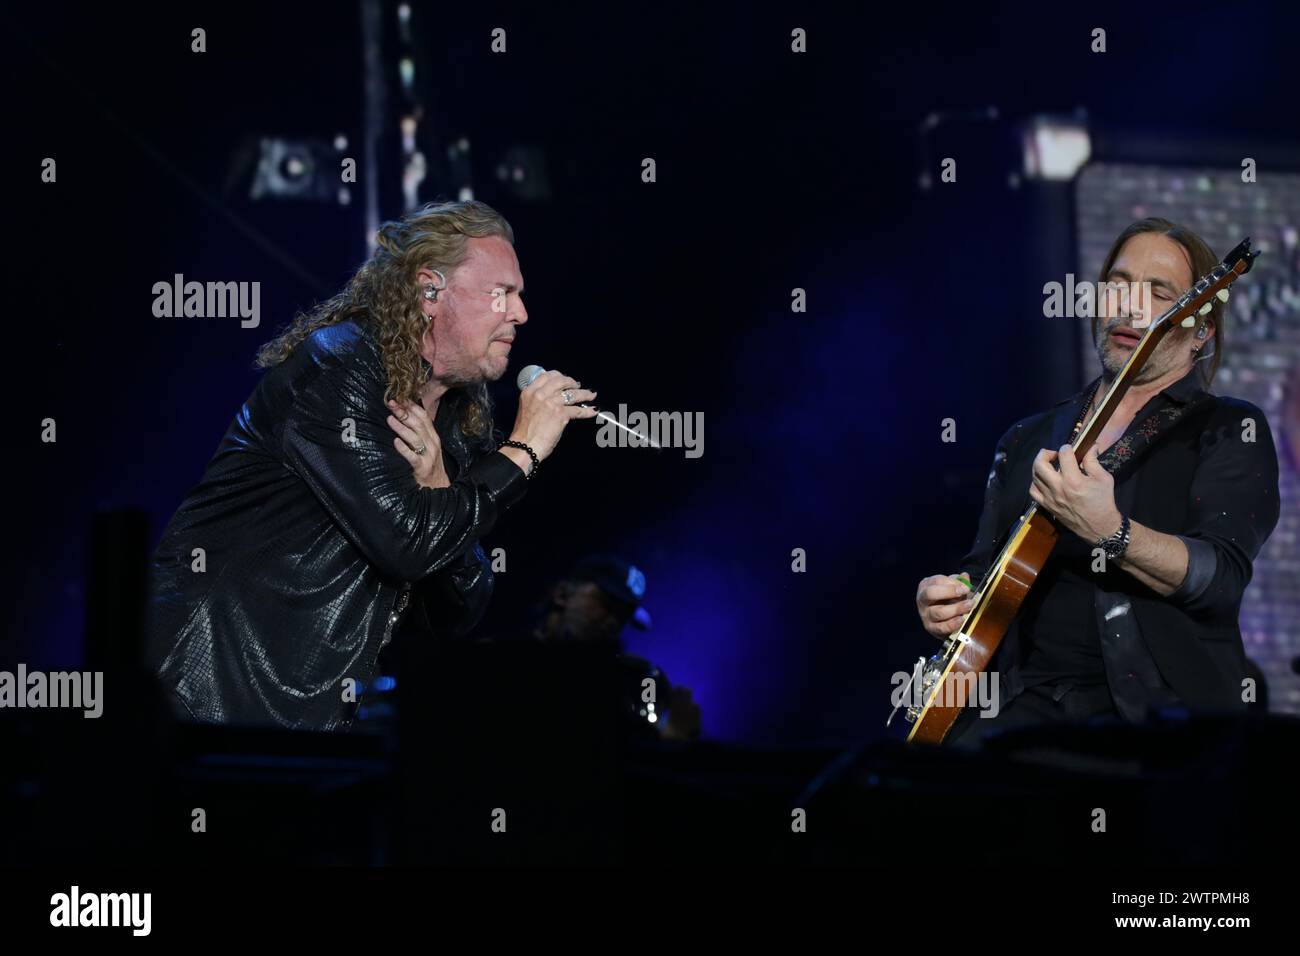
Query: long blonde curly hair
x=384, y=295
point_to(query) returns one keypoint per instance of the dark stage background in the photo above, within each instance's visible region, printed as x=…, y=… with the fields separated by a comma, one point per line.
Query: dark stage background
x=775, y=171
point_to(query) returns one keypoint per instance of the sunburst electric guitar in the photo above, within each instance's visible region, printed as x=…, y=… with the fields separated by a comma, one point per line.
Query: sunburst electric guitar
x=940, y=686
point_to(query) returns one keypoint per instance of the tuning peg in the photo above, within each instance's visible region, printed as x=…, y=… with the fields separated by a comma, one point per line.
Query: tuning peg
x=1222, y=295
x=1188, y=322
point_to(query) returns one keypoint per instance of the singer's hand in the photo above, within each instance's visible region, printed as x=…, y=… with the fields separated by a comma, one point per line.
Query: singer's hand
x=543, y=414
x=415, y=431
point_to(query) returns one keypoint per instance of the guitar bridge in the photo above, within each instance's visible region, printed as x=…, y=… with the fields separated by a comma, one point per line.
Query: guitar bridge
x=929, y=671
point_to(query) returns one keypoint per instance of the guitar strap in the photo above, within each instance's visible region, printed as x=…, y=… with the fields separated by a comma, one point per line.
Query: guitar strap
x=1123, y=455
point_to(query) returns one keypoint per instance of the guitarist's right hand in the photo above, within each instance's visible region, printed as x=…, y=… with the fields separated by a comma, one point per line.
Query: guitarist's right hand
x=943, y=601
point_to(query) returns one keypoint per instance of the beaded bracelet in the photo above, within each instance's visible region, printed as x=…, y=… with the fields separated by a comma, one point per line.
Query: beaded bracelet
x=531, y=454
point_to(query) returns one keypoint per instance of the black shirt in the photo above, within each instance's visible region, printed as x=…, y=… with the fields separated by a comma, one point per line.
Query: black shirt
x=1198, y=466
x=1057, y=619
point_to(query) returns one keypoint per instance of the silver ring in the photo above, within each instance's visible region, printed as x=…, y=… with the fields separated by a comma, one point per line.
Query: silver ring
x=568, y=399
x=421, y=449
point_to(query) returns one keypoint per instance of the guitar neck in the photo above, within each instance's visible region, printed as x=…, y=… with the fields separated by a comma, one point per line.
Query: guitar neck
x=1100, y=416
x=1195, y=300
x=1118, y=388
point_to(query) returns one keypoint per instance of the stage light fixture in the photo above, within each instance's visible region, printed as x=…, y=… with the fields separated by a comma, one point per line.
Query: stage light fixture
x=1056, y=148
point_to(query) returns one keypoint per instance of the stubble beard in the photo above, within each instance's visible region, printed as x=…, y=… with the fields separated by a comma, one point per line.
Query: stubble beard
x=468, y=376
x=1111, y=363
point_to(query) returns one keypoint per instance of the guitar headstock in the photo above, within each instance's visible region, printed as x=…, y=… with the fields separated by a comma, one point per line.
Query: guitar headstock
x=1197, y=300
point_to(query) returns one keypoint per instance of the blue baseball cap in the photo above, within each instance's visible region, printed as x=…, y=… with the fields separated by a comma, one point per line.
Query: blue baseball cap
x=623, y=582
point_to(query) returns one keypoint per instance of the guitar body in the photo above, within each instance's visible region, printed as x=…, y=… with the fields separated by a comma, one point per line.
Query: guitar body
x=972, y=646
x=943, y=685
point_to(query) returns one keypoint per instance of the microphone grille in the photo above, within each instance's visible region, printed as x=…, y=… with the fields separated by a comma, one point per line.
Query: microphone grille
x=527, y=374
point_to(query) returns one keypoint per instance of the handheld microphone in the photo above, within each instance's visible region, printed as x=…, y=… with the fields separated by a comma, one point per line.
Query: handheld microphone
x=528, y=373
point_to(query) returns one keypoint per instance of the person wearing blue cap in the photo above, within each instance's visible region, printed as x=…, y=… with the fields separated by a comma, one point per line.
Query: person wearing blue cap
x=593, y=603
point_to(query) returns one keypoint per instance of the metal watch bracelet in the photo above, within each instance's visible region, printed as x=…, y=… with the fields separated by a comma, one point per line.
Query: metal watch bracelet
x=1117, y=543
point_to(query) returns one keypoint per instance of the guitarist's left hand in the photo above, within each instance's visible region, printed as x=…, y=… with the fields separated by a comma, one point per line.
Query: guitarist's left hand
x=1081, y=499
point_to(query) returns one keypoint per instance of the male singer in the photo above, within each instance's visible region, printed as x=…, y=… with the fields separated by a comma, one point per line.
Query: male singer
x=353, y=486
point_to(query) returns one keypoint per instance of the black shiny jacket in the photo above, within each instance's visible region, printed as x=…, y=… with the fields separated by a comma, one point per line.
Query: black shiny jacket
x=286, y=569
